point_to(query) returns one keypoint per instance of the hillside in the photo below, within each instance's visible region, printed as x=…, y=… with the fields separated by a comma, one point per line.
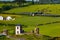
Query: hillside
x=49, y=27
x=46, y=8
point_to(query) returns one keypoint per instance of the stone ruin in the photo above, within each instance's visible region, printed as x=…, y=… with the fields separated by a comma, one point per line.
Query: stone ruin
x=36, y=30
x=5, y=32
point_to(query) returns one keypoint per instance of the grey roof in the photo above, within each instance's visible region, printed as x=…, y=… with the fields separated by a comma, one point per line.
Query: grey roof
x=18, y=25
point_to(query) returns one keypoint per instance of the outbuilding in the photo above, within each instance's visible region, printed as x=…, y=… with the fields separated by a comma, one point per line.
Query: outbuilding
x=9, y=18
x=1, y=17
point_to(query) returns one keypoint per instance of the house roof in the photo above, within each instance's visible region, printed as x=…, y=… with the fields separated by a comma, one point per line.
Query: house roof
x=18, y=25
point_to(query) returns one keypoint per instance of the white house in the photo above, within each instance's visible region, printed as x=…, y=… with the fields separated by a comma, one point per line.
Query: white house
x=9, y=18
x=18, y=29
x=1, y=17
x=33, y=14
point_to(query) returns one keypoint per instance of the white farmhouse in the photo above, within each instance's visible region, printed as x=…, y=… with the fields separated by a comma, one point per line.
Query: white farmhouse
x=33, y=14
x=9, y=18
x=18, y=29
x=1, y=17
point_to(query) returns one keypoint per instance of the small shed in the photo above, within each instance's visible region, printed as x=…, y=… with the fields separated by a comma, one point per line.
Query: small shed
x=8, y=18
x=1, y=17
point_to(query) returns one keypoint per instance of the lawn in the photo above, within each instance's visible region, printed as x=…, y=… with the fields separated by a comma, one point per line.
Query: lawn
x=47, y=8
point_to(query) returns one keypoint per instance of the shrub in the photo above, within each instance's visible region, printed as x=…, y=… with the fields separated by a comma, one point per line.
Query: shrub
x=6, y=7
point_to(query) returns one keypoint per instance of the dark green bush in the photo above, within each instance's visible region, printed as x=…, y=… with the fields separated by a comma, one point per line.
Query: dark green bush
x=6, y=7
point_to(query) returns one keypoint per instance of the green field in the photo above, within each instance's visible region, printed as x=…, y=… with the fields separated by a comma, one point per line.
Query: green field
x=31, y=22
x=48, y=28
x=47, y=8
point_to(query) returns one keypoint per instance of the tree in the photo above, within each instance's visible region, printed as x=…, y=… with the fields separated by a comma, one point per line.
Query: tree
x=0, y=10
x=6, y=7
x=20, y=1
x=40, y=1
x=32, y=1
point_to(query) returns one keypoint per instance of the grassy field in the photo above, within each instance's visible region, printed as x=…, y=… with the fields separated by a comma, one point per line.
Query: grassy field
x=47, y=8
x=25, y=20
x=31, y=22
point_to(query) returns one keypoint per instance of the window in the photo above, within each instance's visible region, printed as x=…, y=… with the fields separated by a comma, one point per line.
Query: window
x=18, y=32
x=17, y=27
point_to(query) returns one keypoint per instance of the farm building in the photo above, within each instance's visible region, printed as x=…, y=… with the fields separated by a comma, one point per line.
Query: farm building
x=19, y=29
x=1, y=17
x=9, y=18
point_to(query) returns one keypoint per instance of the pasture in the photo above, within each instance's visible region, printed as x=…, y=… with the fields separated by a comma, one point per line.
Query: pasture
x=46, y=8
x=48, y=28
